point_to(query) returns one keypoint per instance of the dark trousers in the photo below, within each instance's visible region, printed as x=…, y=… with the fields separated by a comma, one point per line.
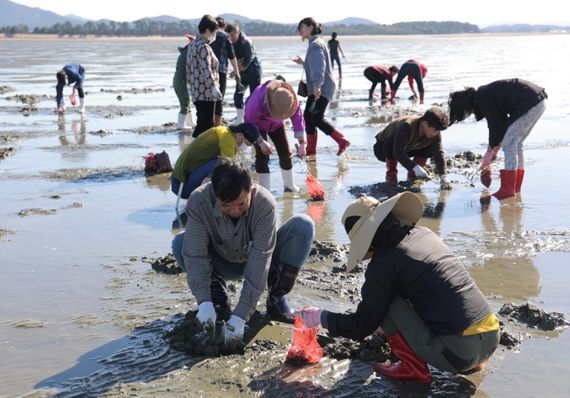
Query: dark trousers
x=204, y=116
x=248, y=81
x=376, y=77
x=315, y=116
x=383, y=150
x=410, y=69
x=220, y=103
x=279, y=139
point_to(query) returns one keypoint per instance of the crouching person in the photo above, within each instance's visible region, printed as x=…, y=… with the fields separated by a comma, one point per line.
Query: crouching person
x=415, y=290
x=231, y=234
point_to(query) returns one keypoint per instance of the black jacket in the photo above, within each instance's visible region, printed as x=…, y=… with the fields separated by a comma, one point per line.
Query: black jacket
x=423, y=270
x=504, y=101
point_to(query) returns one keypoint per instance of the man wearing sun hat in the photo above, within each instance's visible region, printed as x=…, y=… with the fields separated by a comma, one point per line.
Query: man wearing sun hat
x=415, y=289
x=267, y=108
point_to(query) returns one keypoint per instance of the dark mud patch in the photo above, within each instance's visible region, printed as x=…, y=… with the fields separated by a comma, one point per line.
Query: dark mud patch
x=465, y=163
x=165, y=265
x=136, y=91
x=327, y=251
x=5, y=152
x=48, y=212
x=371, y=349
x=29, y=101
x=101, y=133
x=4, y=232
x=6, y=89
x=100, y=174
x=163, y=129
x=532, y=316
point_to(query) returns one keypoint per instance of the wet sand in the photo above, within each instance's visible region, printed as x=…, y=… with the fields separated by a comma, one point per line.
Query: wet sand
x=84, y=313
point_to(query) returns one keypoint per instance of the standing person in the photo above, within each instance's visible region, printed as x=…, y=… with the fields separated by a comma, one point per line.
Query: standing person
x=198, y=159
x=414, y=70
x=380, y=74
x=267, y=108
x=320, y=86
x=70, y=73
x=415, y=289
x=224, y=50
x=180, y=85
x=334, y=48
x=248, y=65
x=202, y=75
x=512, y=107
x=417, y=136
x=231, y=234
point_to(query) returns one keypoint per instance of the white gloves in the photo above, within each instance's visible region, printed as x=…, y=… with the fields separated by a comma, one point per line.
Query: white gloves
x=216, y=93
x=420, y=172
x=206, y=313
x=311, y=316
x=233, y=332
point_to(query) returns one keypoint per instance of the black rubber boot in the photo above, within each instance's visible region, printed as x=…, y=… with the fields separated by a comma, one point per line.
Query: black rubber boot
x=280, y=281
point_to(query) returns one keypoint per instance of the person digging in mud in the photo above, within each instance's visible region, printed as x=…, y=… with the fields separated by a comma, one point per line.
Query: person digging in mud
x=231, y=234
x=414, y=70
x=198, y=159
x=70, y=73
x=512, y=107
x=415, y=289
x=417, y=136
x=267, y=108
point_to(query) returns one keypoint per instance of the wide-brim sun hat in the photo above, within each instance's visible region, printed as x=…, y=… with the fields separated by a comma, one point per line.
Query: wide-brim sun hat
x=281, y=100
x=406, y=207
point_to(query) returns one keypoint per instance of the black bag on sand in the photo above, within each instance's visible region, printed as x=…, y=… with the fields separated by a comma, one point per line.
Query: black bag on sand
x=157, y=163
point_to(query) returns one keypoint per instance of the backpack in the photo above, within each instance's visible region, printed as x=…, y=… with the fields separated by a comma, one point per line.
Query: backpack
x=157, y=163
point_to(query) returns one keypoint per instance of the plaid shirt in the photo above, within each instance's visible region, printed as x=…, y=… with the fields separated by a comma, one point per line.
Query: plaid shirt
x=251, y=240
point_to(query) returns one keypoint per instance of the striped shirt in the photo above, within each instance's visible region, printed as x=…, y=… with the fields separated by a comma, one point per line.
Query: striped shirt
x=250, y=240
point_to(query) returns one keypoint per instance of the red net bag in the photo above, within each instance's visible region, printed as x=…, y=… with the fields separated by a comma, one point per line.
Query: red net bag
x=305, y=349
x=314, y=188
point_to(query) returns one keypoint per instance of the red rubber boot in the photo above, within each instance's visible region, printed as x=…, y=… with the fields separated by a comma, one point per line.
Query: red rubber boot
x=410, y=367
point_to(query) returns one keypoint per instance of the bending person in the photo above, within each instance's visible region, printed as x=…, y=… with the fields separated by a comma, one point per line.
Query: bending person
x=414, y=70
x=415, y=290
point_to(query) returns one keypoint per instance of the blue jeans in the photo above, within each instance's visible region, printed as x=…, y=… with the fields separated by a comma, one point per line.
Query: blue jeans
x=292, y=247
x=194, y=179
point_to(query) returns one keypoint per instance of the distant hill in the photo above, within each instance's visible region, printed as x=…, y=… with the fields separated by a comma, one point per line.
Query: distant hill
x=352, y=21
x=525, y=28
x=16, y=14
x=16, y=18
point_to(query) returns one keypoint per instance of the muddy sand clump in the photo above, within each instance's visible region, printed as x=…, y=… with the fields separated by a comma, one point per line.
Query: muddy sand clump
x=5, y=152
x=533, y=316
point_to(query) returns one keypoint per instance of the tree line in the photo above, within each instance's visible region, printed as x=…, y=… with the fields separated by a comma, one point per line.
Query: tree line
x=151, y=27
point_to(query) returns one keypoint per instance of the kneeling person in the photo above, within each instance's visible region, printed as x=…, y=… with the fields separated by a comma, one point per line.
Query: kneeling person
x=417, y=136
x=232, y=234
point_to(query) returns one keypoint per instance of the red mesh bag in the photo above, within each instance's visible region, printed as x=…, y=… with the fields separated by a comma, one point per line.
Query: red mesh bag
x=314, y=188
x=157, y=163
x=305, y=349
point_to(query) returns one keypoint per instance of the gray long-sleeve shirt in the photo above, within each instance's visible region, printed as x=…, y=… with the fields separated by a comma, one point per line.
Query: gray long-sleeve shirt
x=250, y=240
x=318, y=68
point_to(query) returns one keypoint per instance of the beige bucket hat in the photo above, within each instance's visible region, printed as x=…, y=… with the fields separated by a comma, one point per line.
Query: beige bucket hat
x=281, y=100
x=406, y=207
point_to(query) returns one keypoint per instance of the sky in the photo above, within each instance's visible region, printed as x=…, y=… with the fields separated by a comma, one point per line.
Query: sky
x=480, y=12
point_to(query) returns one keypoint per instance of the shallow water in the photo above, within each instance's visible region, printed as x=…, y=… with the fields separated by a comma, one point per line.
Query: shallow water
x=77, y=216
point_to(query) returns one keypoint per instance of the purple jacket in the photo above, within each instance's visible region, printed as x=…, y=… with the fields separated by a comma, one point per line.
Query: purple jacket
x=257, y=113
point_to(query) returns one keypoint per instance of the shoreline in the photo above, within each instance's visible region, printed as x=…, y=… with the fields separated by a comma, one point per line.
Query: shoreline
x=42, y=36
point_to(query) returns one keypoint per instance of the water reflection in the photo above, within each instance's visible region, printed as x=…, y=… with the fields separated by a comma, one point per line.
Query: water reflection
x=75, y=141
x=507, y=270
